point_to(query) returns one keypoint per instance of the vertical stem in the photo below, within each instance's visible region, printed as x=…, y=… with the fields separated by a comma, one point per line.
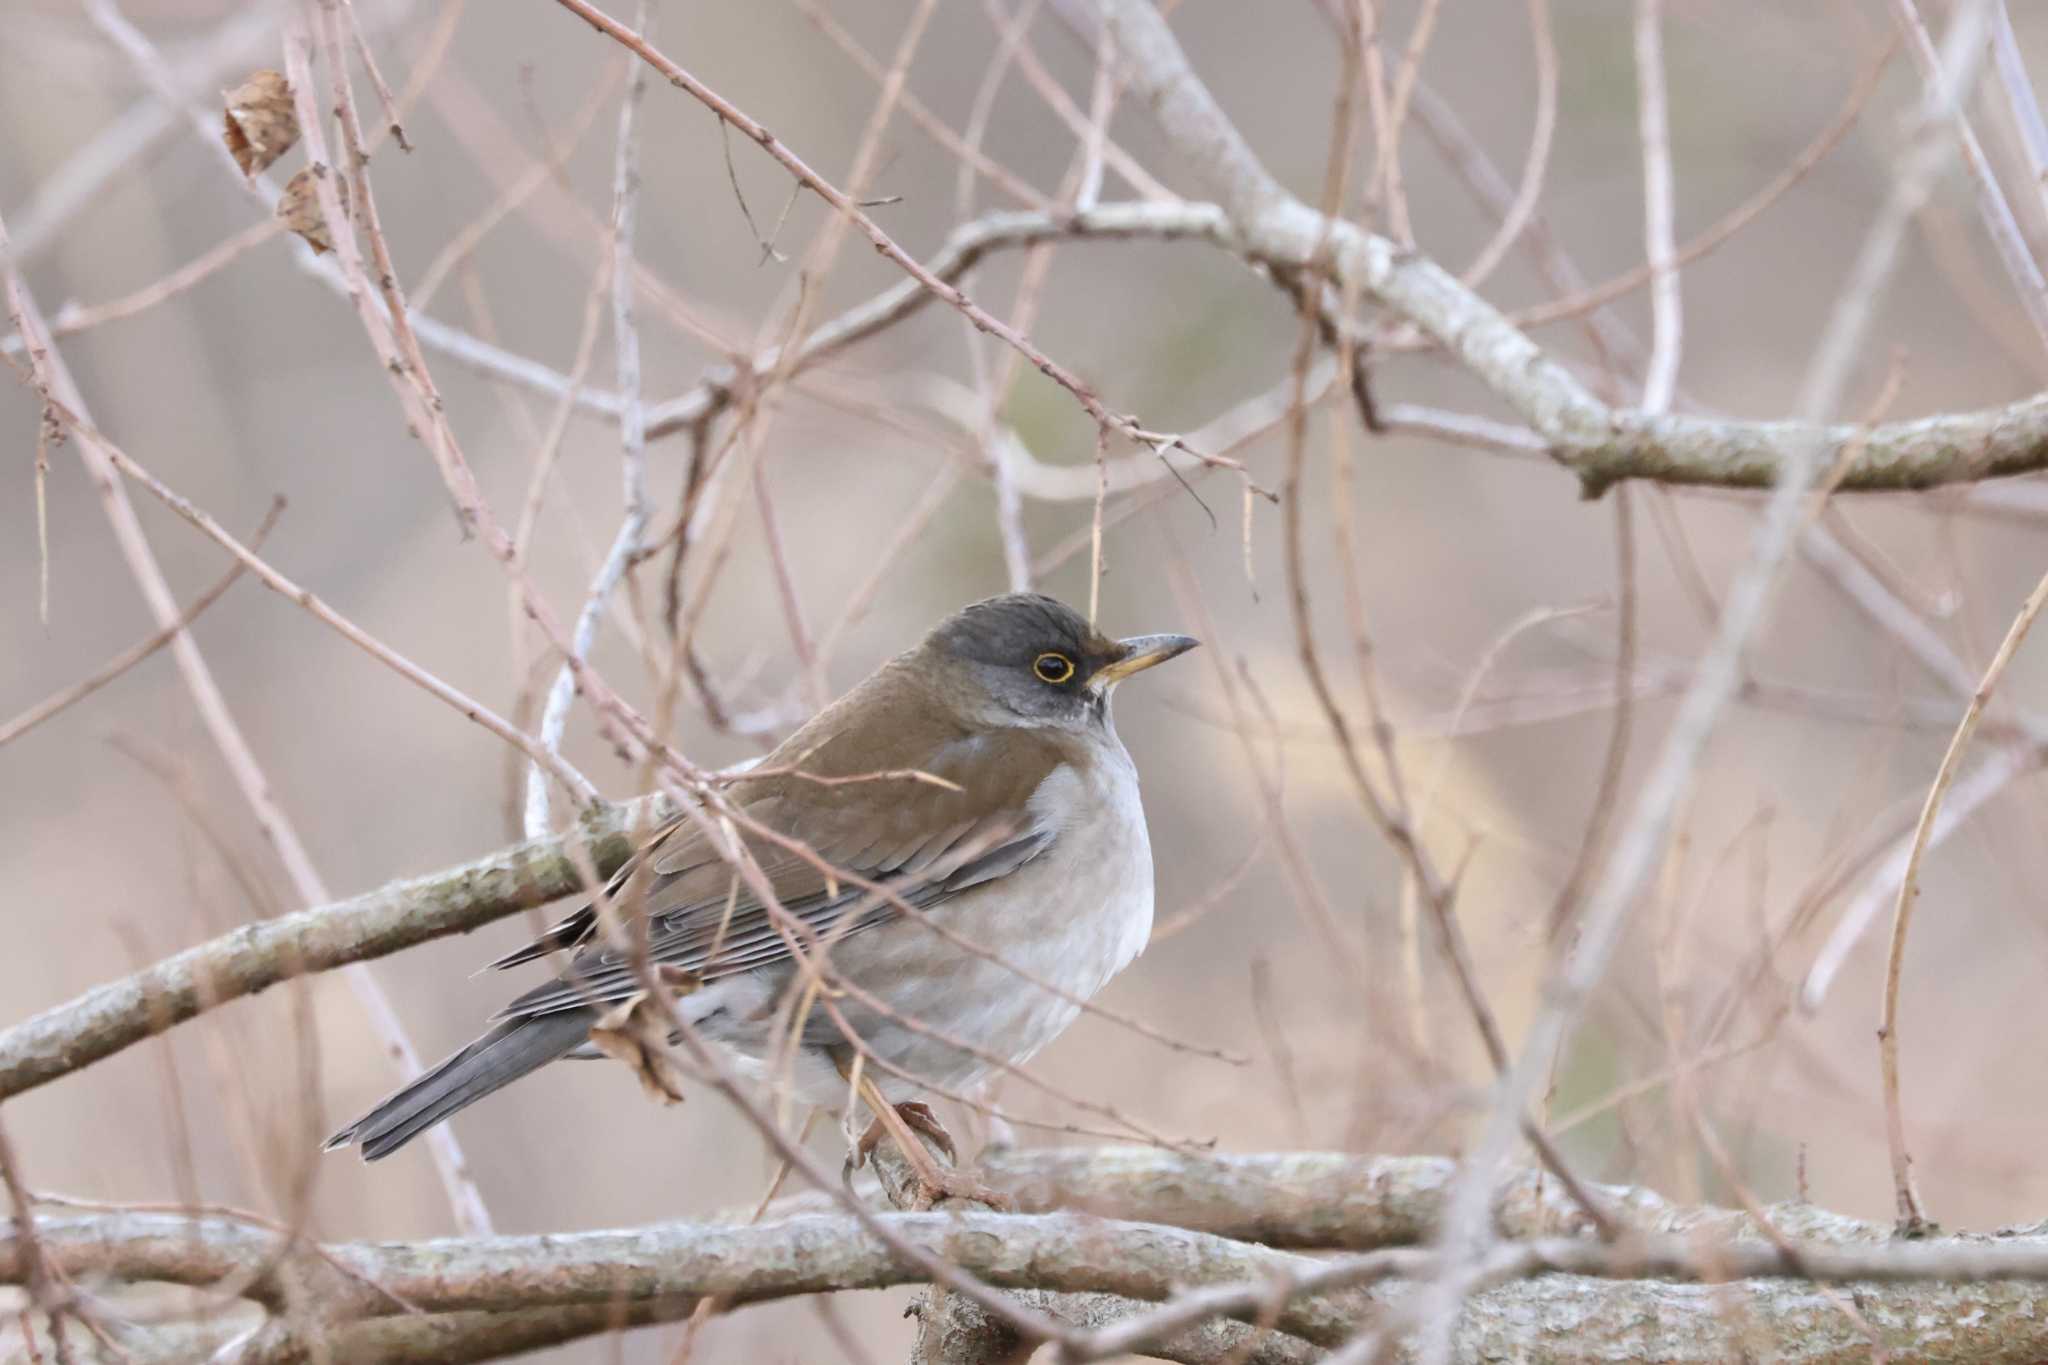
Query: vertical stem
x=1667, y=319
x=1912, y=1217
x=632, y=435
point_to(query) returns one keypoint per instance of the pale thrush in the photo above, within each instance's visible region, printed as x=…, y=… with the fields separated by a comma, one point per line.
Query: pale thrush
x=1024, y=839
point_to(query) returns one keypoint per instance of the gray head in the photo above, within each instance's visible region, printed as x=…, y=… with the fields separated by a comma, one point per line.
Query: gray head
x=1032, y=660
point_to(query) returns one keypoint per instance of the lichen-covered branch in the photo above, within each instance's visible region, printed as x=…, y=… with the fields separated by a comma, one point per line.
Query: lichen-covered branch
x=1258, y=220
x=952, y=1329
x=1602, y=445
x=1683, y=1284
x=1313, y=1201
x=671, y=1265
x=107, y=1018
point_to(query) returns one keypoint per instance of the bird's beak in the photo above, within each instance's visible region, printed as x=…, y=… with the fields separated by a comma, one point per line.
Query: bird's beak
x=1139, y=653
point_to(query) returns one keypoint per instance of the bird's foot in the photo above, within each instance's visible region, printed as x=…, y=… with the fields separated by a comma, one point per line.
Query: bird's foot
x=918, y=1118
x=925, y=1190
x=927, y=1182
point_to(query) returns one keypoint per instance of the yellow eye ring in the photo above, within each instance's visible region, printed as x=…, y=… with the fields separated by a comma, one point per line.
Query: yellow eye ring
x=1053, y=668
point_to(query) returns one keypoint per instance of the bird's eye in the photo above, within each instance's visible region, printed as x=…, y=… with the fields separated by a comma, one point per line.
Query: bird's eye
x=1053, y=668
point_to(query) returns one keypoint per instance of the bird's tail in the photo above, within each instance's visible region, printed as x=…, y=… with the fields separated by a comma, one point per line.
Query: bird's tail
x=497, y=1059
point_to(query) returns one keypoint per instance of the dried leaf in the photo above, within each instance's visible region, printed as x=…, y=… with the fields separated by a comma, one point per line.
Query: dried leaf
x=299, y=207
x=676, y=979
x=260, y=124
x=635, y=1031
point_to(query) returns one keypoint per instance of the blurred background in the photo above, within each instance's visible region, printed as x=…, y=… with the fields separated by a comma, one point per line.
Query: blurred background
x=1490, y=587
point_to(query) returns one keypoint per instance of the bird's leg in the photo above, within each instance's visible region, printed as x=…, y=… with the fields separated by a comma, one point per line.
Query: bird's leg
x=930, y=1182
x=891, y=1120
x=918, y=1116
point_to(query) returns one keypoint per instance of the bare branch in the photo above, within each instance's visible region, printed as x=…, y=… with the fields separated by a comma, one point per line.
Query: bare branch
x=102, y=461
x=1911, y=1216
x=632, y=530
x=1666, y=315
x=257, y=956
x=479, y=1297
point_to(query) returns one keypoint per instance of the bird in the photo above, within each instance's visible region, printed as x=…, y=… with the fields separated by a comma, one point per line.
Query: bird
x=959, y=845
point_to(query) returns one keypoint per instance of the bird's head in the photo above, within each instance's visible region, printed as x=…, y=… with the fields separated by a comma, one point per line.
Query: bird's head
x=1027, y=659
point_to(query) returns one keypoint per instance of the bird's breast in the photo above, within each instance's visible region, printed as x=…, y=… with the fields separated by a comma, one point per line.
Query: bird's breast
x=1045, y=936
x=1097, y=874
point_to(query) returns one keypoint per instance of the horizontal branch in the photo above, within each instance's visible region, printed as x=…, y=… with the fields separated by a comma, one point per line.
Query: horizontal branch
x=1926, y=452
x=953, y=1331
x=1601, y=445
x=1960, y=1298
x=964, y=249
x=108, y=1018
x=1316, y=1201
x=1321, y=1200
x=673, y=1263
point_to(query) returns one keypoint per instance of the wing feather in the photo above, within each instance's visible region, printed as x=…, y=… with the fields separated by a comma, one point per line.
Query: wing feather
x=923, y=842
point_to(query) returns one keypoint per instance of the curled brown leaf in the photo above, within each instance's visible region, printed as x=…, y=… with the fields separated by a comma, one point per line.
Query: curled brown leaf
x=635, y=1031
x=259, y=124
x=299, y=207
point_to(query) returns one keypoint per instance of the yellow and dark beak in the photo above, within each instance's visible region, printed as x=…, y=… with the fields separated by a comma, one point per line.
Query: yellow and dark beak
x=1137, y=654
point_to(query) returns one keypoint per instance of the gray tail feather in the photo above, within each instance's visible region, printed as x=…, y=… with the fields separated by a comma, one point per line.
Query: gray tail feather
x=497, y=1059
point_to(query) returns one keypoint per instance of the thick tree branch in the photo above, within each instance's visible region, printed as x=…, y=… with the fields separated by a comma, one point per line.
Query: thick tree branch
x=673, y=1263
x=1962, y=1298
x=954, y=1330
x=1602, y=445
x=108, y=1018
x=1307, y=1200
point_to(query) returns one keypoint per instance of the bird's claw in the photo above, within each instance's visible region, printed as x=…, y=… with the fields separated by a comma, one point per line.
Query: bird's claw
x=929, y=1182
x=926, y=1190
x=921, y=1119
x=916, y=1116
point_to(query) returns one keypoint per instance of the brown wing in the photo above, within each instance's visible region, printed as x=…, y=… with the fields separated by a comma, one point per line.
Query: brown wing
x=924, y=842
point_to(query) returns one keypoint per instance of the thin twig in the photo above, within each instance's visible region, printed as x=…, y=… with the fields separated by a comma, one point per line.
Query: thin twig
x=850, y=211
x=1912, y=1217
x=46, y=1289
x=74, y=318
x=1464, y=1234
x=632, y=437
x=136, y=653
x=1737, y=218
x=1606, y=791
x=1666, y=317
x=2020, y=98
x=973, y=160
x=101, y=459
x=1522, y=208
x=1992, y=207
